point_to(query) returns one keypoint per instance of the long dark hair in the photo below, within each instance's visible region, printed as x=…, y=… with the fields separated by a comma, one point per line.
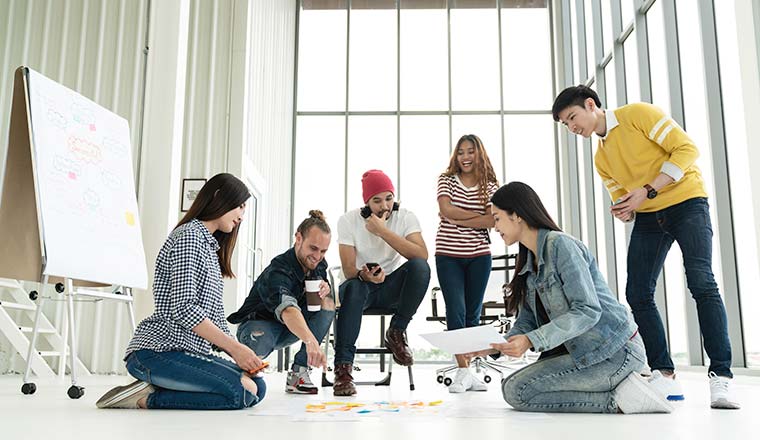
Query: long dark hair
x=220, y=195
x=484, y=173
x=520, y=199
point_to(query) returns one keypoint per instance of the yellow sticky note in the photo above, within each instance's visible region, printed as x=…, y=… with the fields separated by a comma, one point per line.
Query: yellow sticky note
x=435, y=402
x=130, y=217
x=354, y=405
x=335, y=403
x=310, y=406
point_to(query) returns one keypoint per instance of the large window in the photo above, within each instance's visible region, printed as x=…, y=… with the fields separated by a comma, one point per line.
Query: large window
x=392, y=85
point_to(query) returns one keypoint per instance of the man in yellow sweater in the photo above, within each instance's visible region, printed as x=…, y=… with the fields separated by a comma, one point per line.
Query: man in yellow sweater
x=647, y=163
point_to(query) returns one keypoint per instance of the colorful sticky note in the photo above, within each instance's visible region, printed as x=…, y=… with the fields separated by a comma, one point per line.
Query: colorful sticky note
x=130, y=217
x=435, y=402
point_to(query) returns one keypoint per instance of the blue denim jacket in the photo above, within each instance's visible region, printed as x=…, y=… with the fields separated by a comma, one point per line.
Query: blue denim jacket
x=280, y=285
x=583, y=313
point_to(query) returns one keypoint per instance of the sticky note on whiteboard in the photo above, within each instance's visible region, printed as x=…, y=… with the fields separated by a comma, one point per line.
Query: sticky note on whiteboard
x=130, y=217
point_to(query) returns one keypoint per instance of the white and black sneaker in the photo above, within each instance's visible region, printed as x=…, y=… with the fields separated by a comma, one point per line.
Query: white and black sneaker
x=298, y=381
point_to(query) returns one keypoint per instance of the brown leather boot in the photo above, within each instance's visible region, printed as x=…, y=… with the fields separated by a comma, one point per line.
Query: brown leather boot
x=395, y=340
x=344, y=382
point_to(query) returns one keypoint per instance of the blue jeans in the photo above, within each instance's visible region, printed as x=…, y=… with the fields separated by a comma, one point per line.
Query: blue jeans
x=687, y=223
x=463, y=283
x=556, y=384
x=186, y=380
x=263, y=336
x=401, y=293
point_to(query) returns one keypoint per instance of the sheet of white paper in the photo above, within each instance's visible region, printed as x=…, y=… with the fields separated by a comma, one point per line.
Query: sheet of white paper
x=465, y=340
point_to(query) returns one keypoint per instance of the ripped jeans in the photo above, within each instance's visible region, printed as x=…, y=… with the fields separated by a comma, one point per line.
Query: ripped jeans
x=264, y=336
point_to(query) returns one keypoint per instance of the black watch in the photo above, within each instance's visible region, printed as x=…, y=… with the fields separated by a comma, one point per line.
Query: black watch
x=651, y=192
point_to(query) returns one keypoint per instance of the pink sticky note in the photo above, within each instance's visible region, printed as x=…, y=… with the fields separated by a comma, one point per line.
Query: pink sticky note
x=92, y=127
x=72, y=175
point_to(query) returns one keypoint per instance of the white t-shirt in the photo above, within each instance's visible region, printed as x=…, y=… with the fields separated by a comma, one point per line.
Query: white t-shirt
x=370, y=248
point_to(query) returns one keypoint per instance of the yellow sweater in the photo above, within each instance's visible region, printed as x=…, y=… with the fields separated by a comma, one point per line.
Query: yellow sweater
x=645, y=143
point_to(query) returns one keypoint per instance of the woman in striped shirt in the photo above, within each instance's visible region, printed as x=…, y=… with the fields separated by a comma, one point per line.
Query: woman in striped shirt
x=170, y=353
x=462, y=245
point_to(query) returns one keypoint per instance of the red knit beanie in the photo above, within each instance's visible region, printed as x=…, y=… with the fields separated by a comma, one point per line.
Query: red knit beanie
x=375, y=182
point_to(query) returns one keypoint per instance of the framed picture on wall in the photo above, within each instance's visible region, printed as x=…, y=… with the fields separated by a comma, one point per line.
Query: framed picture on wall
x=190, y=189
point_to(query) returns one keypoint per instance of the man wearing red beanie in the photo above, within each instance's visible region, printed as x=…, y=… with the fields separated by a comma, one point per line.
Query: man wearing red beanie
x=374, y=242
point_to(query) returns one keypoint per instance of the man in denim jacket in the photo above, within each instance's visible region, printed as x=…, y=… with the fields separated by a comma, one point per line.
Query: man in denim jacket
x=275, y=314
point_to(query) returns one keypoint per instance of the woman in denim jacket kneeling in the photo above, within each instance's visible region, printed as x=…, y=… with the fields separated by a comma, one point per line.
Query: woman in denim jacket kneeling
x=591, y=352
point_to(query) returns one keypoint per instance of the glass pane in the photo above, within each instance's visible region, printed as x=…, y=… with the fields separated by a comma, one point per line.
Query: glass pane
x=633, y=88
x=530, y=156
x=610, y=79
x=424, y=58
x=474, y=57
x=583, y=167
x=371, y=145
x=574, y=40
x=320, y=146
x=424, y=155
x=658, y=59
x=744, y=216
x=591, y=43
x=372, y=57
x=322, y=59
x=626, y=11
x=695, y=110
x=607, y=26
x=526, y=62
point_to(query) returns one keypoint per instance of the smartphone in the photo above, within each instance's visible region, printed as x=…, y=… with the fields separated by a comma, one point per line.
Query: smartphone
x=372, y=268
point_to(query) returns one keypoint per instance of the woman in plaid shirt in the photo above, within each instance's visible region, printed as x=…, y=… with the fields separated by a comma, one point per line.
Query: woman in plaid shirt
x=170, y=353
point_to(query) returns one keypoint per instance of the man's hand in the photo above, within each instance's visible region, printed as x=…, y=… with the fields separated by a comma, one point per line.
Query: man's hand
x=625, y=207
x=376, y=225
x=515, y=346
x=315, y=357
x=375, y=277
x=324, y=289
x=245, y=358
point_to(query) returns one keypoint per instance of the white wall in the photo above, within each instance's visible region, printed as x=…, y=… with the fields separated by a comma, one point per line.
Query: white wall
x=234, y=114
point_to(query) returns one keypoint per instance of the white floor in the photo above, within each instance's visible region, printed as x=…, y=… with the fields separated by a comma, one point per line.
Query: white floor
x=50, y=414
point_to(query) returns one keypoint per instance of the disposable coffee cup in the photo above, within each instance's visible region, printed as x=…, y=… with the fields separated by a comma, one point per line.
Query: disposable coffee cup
x=313, y=301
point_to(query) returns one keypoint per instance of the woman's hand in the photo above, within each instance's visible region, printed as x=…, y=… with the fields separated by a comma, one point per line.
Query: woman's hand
x=245, y=358
x=515, y=346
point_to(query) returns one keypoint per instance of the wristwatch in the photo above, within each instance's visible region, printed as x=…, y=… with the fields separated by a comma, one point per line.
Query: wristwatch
x=651, y=192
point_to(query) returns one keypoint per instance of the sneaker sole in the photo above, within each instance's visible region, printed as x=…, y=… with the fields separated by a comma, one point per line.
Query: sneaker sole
x=643, y=387
x=724, y=404
x=120, y=394
x=676, y=397
x=294, y=390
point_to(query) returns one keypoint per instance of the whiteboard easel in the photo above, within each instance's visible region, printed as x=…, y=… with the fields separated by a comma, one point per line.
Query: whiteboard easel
x=68, y=213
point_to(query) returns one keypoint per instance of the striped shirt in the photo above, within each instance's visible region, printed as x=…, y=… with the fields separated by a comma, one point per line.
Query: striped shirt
x=187, y=288
x=462, y=241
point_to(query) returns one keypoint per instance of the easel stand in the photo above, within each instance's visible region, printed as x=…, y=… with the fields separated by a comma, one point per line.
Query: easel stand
x=66, y=292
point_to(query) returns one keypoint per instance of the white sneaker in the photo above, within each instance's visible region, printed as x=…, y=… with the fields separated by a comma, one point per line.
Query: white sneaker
x=462, y=381
x=668, y=387
x=720, y=396
x=634, y=395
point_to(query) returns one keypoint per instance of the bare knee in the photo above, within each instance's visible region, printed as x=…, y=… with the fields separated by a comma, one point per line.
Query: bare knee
x=249, y=384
